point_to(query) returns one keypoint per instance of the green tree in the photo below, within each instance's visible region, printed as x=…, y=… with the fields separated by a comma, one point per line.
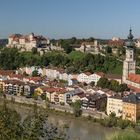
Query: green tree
x=10, y=128
x=91, y=39
x=121, y=51
x=34, y=50
x=123, y=87
x=35, y=96
x=123, y=123
x=34, y=127
x=108, y=50
x=43, y=96
x=103, y=83
x=109, y=121
x=77, y=108
x=92, y=83
x=114, y=85
x=73, y=40
x=75, y=61
x=35, y=73
x=103, y=106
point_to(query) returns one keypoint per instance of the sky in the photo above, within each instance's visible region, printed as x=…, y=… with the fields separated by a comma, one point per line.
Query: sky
x=68, y=18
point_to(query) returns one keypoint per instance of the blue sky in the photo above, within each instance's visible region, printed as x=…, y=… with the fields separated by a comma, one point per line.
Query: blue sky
x=68, y=18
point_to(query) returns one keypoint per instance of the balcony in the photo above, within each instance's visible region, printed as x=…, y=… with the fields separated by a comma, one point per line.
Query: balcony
x=92, y=106
x=84, y=105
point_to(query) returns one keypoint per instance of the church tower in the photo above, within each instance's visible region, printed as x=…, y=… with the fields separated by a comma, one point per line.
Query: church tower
x=129, y=64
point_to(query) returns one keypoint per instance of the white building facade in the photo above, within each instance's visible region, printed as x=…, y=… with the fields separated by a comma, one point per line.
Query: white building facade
x=88, y=78
x=114, y=105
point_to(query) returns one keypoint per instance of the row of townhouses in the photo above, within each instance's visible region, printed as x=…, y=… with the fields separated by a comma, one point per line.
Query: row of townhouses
x=64, y=96
x=61, y=74
x=20, y=85
x=127, y=107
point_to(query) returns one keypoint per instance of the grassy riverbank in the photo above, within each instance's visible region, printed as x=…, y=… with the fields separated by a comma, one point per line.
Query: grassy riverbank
x=126, y=135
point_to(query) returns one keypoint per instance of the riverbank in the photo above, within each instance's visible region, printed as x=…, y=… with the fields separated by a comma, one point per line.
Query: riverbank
x=87, y=115
x=51, y=111
x=78, y=127
x=57, y=107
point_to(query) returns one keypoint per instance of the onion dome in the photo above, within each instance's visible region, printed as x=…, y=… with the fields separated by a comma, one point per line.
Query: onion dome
x=130, y=36
x=130, y=43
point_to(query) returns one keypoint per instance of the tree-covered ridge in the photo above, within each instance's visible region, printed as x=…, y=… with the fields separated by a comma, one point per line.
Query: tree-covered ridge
x=11, y=58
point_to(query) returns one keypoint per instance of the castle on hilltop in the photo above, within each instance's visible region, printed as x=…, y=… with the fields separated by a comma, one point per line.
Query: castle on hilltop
x=129, y=65
x=27, y=42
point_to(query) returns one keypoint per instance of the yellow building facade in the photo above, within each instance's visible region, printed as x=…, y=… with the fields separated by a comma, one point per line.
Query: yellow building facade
x=131, y=107
x=131, y=111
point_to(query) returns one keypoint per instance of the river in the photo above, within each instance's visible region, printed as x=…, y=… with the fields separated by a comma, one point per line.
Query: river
x=78, y=129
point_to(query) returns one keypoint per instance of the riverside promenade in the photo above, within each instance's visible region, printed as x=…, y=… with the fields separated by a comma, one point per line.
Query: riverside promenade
x=62, y=108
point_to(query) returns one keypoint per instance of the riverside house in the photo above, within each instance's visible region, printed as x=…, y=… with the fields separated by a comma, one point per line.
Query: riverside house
x=115, y=105
x=131, y=107
x=94, y=101
x=14, y=87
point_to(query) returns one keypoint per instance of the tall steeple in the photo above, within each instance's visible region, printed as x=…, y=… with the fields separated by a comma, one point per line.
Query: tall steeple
x=129, y=64
x=130, y=36
x=130, y=42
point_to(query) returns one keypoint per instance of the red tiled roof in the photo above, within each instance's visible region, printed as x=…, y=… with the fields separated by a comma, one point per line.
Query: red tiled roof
x=19, y=76
x=100, y=74
x=6, y=72
x=87, y=73
x=61, y=70
x=134, y=78
x=15, y=36
x=133, y=88
x=116, y=42
x=54, y=89
x=36, y=79
x=13, y=82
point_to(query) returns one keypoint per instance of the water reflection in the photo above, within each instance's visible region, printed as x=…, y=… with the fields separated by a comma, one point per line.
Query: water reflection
x=78, y=129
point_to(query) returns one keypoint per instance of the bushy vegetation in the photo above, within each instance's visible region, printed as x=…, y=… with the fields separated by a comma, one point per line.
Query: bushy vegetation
x=34, y=127
x=77, y=108
x=113, y=121
x=126, y=136
x=11, y=58
x=112, y=85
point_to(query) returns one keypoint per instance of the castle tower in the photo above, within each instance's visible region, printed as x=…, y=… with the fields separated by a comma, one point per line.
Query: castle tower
x=129, y=64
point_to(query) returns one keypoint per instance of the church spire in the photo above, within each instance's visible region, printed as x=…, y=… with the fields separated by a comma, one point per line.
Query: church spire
x=130, y=36
x=130, y=42
x=129, y=64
